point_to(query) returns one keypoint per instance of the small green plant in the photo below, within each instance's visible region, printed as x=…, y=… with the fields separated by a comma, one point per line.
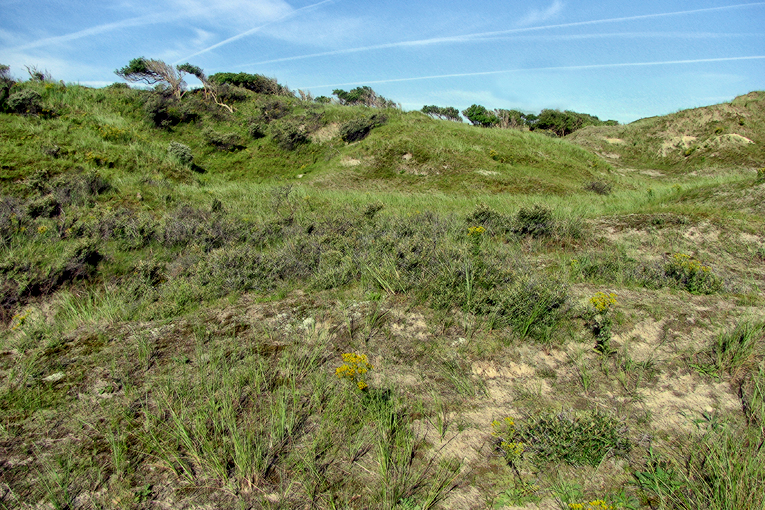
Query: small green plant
x=354, y=369
x=536, y=221
x=692, y=275
x=582, y=438
x=760, y=175
x=180, y=152
x=506, y=437
x=599, y=187
x=599, y=317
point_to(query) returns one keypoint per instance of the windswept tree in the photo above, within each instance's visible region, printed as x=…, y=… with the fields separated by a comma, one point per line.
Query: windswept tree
x=442, y=112
x=153, y=72
x=363, y=96
x=515, y=119
x=210, y=88
x=480, y=116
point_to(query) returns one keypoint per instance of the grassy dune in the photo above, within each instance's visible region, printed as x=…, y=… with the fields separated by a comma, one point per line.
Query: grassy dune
x=435, y=316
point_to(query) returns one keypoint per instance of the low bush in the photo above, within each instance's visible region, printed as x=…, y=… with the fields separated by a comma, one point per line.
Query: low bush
x=576, y=438
x=182, y=153
x=359, y=128
x=692, y=275
x=289, y=134
x=223, y=141
x=536, y=221
x=26, y=102
x=599, y=187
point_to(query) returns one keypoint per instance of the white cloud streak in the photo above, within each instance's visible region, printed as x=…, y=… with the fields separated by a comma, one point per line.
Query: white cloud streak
x=485, y=35
x=257, y=29
x=148, y=19
x=552, y=68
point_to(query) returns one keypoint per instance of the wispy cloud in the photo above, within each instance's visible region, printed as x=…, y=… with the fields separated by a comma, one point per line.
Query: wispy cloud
x=148, y=19
x=465, y=38
x=251, y=31
x=541, y=15
x=551, y=68
x=234, y=11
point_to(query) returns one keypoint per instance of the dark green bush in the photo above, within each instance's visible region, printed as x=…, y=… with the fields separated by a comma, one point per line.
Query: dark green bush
x=479, y=116
x=359, y=128
x=289, y=134
x=584, y=438
x=254, y=82
x=223, y=141
x=257, y=128
x=536, y=221
x=164, y=110
x=25, y=101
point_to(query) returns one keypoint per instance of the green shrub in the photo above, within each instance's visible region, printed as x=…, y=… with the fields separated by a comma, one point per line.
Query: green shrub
x=254, y=82
x=257, y=128
x=577, y=438
x=599, y=187
x=182, y=153
x=536, y=221
x=164, y=110
x=479, y=116
x=289, y=134
x=223, y=141
x=26, y=102
x=692, y=275
x=359, y=128
x=43, y=207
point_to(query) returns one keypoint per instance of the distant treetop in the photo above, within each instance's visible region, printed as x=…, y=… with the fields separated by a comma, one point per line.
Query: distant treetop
x=363, y=96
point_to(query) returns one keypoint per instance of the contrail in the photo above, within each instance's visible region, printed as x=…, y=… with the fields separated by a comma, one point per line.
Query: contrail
x=256, y=29
x=554, y=68
x=148, y=19
x=484, y=35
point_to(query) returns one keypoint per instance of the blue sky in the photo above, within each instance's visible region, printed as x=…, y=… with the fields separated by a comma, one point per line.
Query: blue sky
x=614, y=59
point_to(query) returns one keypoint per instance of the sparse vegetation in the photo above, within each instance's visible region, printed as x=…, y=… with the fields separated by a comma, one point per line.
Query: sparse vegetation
x=207, y=290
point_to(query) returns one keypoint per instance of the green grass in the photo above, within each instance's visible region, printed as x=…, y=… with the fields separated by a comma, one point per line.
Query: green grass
x=191, y=317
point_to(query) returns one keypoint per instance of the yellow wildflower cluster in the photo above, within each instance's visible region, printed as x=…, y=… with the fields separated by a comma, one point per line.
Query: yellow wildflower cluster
x=597, y=504
x=354, y=369
x=42, y=229
x=505, y=432
x=19, y=319
x=476, y=231
x=688, y=263
x=602, y=302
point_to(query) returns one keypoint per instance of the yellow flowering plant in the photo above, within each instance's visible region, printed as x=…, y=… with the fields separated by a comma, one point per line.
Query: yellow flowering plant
x=599, y=317
x=354, y=369
x=506, y=437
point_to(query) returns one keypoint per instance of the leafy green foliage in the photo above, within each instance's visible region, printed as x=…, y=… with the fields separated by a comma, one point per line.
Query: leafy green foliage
x=479, y=116
x=254, y=82
x=152, y=72
x=442, y=112
x=359, y=128
x=180, y=152
x=26, y=101
x=583, y=438
x=565, y=123
x=363, y=96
